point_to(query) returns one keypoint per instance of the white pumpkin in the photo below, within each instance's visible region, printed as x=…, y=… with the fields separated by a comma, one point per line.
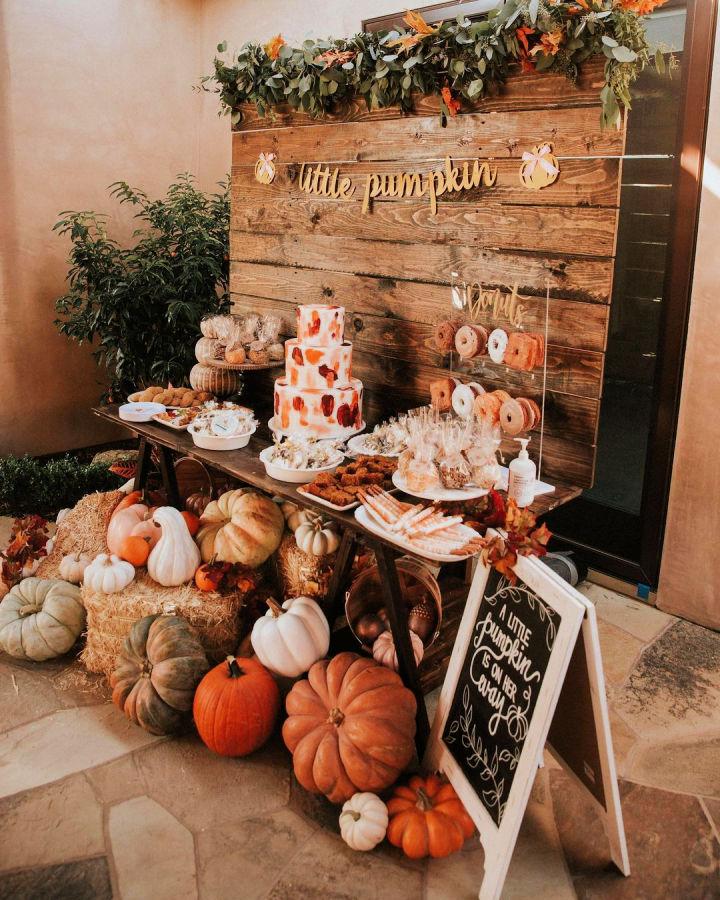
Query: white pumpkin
x=40, y=618
x=72, y=566
x=61, y=515
x=30, y=567
x=384, y=651
x=108, y=574
x=363, y=821
x=176, y=556
x=317, y=536
x=295, y=516
x=289, y=639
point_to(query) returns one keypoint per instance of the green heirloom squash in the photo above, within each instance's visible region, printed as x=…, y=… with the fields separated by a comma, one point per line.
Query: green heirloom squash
x=41, y=618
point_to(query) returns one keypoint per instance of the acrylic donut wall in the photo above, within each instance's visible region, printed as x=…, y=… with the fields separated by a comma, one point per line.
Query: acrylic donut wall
x=521, y=350
x=514, y=415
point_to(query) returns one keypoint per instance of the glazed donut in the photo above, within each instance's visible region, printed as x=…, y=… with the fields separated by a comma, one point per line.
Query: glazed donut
x=502, y=395
x=463, y=399
x=471, y=341
x=477, y=387
x=512, y=417
x=497, y=344
x=487, y=406
x=445, y=335
x=537, y=415
x=441, y=392
x=539, y=349
x=521, y=351
x=528, y=412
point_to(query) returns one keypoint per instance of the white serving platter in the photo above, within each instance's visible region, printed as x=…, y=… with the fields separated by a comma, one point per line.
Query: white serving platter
x=366, y=520
x=342, y=435
x=139, y=412
x=303, y=491
x=295, y=476
x=439, y=493
x=356, y=447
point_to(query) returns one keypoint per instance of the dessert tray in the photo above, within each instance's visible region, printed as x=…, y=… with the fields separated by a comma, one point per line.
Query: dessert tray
x=244, y=367
x=421, y=530
x=438, y=492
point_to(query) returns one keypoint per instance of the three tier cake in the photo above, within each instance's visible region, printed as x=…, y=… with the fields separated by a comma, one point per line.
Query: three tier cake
x=317, y=397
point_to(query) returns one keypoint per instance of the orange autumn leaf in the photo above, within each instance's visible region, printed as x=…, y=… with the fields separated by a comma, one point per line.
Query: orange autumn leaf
x=415, y=21
x=522, y=36
x=549, y=43
x=452, y=104
x=406, y=42
x=332, y=58
x=272, y=48
x=641, y=7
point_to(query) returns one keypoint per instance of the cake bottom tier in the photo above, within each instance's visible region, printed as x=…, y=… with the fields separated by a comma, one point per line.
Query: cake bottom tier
x=321, y=413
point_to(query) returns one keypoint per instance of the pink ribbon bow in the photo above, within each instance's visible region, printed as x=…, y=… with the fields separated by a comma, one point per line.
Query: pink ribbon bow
x=535, y=159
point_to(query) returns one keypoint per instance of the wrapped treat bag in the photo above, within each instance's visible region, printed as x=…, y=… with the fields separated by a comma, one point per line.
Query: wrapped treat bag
x=453, y=468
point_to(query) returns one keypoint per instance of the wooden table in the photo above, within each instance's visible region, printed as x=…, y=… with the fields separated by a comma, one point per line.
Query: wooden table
x=244, y=465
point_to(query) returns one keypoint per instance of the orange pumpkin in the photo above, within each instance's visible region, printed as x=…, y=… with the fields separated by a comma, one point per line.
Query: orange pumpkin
x=209, y=576
x=129, y=500
x=427, y=818
x=350, y=727
x=135, y=550
x=236, y=706
x=192, y=522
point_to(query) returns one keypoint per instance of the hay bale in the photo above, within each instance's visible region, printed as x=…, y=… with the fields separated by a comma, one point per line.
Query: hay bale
x=303, y=573
x=215, y=617
x=82, y=530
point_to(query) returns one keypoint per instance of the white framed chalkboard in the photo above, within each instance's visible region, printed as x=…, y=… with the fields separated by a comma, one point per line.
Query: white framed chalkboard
x=502, y=685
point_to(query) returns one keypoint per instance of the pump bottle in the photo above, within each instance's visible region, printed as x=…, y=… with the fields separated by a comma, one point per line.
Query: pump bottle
x=521, y=481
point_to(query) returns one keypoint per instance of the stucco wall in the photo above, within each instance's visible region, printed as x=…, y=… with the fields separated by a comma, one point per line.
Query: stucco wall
x=690, y=573
x=90, y=92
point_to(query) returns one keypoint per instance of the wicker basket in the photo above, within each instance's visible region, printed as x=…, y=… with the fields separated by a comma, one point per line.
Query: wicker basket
x=365, y=594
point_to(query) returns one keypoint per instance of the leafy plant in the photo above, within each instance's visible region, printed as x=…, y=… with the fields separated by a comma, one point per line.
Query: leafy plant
x=28, y=538
x=455, y=59
x=141, y=306
x=31, y=486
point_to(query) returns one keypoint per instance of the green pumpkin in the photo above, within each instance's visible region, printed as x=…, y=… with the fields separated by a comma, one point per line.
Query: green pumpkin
x=41, y=618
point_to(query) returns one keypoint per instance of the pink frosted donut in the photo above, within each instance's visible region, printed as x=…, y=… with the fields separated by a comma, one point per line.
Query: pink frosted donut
x=471, y=340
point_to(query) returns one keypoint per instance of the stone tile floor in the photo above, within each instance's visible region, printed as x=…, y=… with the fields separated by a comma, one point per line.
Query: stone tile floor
x=92, y=807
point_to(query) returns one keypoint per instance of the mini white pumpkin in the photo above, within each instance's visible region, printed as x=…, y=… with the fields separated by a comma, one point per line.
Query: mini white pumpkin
x=363, y=821
x=61, y=515
x=108, y=574
x=289, y=639
x=317, y=536
x=384, y=651
x=72, y=566
x=30, y=568
x=295, y=516
x=40, y=618
x=176, y=556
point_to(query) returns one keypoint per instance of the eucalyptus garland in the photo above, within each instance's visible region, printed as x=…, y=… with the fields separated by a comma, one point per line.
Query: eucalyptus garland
x=457, y=60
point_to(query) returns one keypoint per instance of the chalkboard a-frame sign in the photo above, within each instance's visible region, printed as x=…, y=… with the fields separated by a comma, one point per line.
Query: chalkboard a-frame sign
x=496, y=706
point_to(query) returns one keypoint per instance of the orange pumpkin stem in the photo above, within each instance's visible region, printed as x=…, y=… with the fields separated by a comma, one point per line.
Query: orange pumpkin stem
x=275, y=607
x=336, y=717
x=234, y=670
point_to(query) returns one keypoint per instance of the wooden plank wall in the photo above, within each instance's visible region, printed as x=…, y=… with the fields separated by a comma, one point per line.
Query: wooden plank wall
x=392, y=268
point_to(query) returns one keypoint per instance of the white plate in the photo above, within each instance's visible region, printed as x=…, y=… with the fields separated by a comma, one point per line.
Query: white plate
x=366, y=520
x=139, y=412
x=305, y=493
x=439, y=492
x=295, y=476
x=169, y=423
x=214, y=442
x=342, y=435
x=357, y=448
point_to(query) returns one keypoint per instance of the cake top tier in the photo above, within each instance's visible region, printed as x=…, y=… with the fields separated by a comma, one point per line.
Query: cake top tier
x=320, y=325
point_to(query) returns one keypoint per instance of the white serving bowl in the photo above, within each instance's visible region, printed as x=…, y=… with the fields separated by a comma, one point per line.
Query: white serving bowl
x=139, y=412
x=217, y=442
x=294, y=476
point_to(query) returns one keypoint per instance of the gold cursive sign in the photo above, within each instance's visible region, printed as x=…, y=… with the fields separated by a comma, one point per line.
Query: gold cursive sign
x=322, y=181
x=507, y=306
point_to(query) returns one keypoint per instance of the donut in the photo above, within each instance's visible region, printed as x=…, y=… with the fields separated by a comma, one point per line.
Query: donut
x=441, y=391
x=528, y=412
x=539, y=349
x=537, y=414
x=497, y=344
x=512, y=417
x=478, y=388
x=487, y=406
x=471, y=341
x=445, y=335
x=521, y=351
x=462, y=400
x=502, y=395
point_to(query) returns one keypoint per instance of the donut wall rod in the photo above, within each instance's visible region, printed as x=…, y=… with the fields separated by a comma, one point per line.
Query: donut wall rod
x=393, y=266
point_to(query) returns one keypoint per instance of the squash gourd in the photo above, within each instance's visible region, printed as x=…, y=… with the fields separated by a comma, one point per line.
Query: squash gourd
x=72, y=566
x=240, y=526
x=218, y=381
x=350, y=727
x=383, y=650
x=236, y=706
x=40, y=618
x=131, y=520
x=317, y=537
x=289, y=639
x=108, y=574
x=363, y=821
x=427, y=818
x=157, y=672
x=175, y=557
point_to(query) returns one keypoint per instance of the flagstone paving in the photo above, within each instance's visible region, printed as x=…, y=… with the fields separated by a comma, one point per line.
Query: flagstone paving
x=92, y=807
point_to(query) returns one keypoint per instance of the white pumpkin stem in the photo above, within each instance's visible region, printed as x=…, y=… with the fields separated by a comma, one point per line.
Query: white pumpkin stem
x=28, y=611
x=275, y=608
x=355, y=814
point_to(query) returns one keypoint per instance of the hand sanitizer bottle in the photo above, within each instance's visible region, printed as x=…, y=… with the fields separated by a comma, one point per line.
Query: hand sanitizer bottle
x=521, y=482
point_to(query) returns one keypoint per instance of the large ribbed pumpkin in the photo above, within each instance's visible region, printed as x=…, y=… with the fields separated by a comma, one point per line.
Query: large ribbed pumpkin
x=221, y=382
x=350, y=727
x=157, y=672
x=40, y=618
x=240, y=527
x=236, y=705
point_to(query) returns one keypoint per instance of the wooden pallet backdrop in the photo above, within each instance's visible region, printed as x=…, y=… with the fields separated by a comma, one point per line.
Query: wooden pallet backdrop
x=392, y=268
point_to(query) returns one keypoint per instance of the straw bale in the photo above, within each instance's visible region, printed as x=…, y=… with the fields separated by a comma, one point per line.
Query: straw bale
x=82, y=530
x=303, y=573
x=215, y=617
